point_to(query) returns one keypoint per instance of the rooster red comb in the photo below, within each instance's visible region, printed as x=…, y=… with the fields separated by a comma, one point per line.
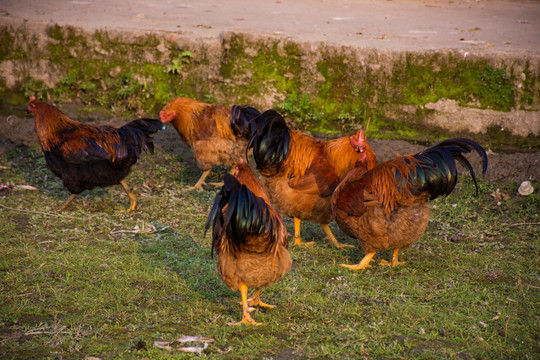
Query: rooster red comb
x=361, y=137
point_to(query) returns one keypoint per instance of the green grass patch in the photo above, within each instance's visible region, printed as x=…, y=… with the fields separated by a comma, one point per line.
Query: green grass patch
x=84, y=283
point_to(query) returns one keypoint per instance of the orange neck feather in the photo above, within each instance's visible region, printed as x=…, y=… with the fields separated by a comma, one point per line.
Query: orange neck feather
x=51, y=126
x=193, y=116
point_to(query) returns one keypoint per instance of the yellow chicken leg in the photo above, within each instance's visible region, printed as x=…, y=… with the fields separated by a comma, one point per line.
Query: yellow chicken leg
x=297, y=238
x=232, y=171
x=68, y=201
x=394, y=262
x=200, y=182
x=255, y=300
x=132, y=197
x=364, y=263
x=246, y=318
x=332, y=238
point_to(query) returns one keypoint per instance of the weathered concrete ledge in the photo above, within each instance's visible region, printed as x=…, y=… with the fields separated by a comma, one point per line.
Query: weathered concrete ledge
x=323, y=87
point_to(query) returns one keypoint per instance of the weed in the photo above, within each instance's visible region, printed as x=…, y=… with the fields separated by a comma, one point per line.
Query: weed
x=84, y=283
x=176, y=66
x=495, y=88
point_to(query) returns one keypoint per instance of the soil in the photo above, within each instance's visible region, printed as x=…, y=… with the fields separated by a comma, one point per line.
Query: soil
x=503, y=167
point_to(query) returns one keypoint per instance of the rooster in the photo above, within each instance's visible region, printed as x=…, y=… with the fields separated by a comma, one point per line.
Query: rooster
x=249, y=237
x=217, y=135
x=387, y=207
x=300, y=172
x=86, y=156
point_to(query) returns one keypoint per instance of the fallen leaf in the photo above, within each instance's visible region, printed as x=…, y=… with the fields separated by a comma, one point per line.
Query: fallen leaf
x=145, y=229
x=499, y=195
x=163, y=345
x=25, y=187
x=169, y=345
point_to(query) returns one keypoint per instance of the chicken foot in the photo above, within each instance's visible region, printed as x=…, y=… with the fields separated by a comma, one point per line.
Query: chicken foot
x=200, y=182
x=333, y=239
x=297, y=238
x=394, y=262
x=246, y=318
x=364, y=263
x=68, y=201
x=232, y=171
x=255, y=300
x=132, y=196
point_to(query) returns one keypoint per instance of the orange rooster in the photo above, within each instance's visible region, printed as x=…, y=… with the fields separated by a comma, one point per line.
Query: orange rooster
x=249, y=237
x=387, y=207
x=217, y=135
x=300, y=172
x=86, y=156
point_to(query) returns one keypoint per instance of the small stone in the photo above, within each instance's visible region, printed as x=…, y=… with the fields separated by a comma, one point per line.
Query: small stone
x=525, y=188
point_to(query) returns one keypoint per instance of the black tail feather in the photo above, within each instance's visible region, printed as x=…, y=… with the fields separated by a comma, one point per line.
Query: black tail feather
x=241, y=118
x=246, y=214
x=270, y=141
x=137, y=133
x=436, y=171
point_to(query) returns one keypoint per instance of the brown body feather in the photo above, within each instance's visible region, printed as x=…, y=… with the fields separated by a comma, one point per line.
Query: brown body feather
x=206, y=129
x=54, y=129
x=262, y=257
x=86, y=156
x=387, y=206
x=370, y=207
x=309, y=175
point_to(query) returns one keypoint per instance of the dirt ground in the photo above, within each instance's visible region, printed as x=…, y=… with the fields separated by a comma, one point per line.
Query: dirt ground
x=516, y=167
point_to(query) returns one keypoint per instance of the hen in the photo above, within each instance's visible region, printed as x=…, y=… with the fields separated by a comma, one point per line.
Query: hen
x=217, y=135
x=387, y=207
x=249, y=237
x=300, y=172
x=86, y=156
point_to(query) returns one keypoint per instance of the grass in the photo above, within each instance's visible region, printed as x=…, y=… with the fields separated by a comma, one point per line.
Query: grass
x=84, y=283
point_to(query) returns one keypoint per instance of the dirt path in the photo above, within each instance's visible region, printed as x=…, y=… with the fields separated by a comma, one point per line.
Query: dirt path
x=492, y=26
x=517, y=167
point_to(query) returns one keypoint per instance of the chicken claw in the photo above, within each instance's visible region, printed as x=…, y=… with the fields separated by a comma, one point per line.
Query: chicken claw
x=333, y=239
x=364, y=263
x=394, y=261
x=255, y=300
x=298, y=241
x=200, y=182
x=218, y=184
x=246, y=318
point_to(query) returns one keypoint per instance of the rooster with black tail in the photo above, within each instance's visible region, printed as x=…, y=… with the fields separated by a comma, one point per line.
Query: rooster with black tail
x=387, y=207
x=300, y=172
x=249, y=237
x=86, y=156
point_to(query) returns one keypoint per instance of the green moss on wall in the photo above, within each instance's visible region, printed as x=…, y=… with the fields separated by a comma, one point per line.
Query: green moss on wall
x=273, y=67
x=427, y=79
x=326, y=91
